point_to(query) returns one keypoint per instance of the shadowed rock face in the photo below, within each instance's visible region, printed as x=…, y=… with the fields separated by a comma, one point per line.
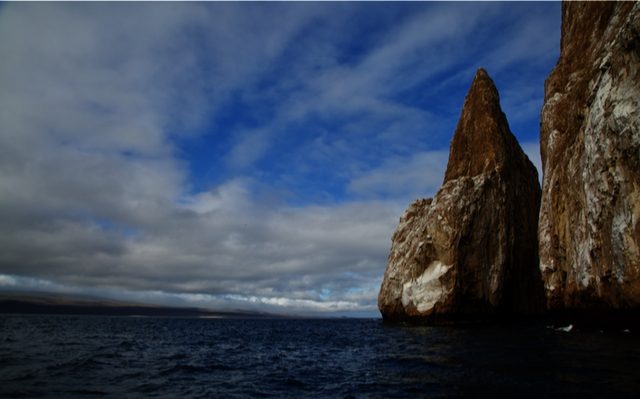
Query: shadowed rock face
x=482, y=141
x=470, y=253
x=590, y=144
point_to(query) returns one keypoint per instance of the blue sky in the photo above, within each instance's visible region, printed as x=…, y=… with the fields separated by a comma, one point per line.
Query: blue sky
x=240, y=155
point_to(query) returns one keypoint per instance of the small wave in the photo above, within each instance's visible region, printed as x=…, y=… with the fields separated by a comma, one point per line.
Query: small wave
x=293, y=382
x=149, y=387
x=566, y=329
x=86, y=392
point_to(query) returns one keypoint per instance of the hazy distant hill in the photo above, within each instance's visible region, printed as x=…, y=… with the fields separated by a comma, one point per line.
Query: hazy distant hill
x=29, y=303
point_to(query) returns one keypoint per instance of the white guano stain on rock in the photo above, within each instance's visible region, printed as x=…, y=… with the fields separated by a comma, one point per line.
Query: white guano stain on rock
x=425, y=291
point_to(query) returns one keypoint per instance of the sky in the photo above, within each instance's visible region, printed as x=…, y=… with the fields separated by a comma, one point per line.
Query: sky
x=252, y=156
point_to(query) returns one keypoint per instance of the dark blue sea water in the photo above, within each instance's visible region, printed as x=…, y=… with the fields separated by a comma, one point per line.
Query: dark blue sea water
x=127, y=357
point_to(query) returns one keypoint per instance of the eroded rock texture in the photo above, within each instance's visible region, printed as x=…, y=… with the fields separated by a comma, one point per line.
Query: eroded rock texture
x=471, y=252
x=589, y=230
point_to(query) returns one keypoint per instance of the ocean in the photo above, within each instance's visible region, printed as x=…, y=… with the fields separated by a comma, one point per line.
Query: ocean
x=140, y=357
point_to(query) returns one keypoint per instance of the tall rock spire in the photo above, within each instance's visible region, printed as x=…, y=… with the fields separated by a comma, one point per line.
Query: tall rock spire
x=470, y=252
x=482, y=139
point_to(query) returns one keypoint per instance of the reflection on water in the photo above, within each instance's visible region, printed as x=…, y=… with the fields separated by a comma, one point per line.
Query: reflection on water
x=520, y=359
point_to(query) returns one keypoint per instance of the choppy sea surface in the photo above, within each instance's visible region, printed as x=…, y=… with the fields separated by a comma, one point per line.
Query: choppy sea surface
x=129, y=357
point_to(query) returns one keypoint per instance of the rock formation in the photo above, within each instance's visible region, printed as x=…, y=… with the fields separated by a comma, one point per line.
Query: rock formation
x=471, y=252
x=589, y=230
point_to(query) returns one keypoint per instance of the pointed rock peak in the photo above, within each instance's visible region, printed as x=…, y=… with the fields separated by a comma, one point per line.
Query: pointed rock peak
x=482, y=140
x=482, y=82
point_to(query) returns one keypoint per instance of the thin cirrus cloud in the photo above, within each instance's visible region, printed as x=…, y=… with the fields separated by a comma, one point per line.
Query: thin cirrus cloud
x=239, y=155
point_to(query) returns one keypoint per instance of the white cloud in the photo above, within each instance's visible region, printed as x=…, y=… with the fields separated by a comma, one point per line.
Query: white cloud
x=419, y=176
x=249, y=150
x=230, y=246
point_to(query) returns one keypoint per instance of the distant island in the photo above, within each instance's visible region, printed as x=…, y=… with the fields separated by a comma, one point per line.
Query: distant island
x=56, y=304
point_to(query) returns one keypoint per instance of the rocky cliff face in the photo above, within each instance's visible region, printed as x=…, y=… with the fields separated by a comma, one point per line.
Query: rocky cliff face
x=589, y=229
x=471, y=252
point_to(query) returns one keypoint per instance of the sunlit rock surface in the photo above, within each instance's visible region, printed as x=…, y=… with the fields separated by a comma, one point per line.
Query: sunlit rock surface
x=471, y=252
x=589, y=230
